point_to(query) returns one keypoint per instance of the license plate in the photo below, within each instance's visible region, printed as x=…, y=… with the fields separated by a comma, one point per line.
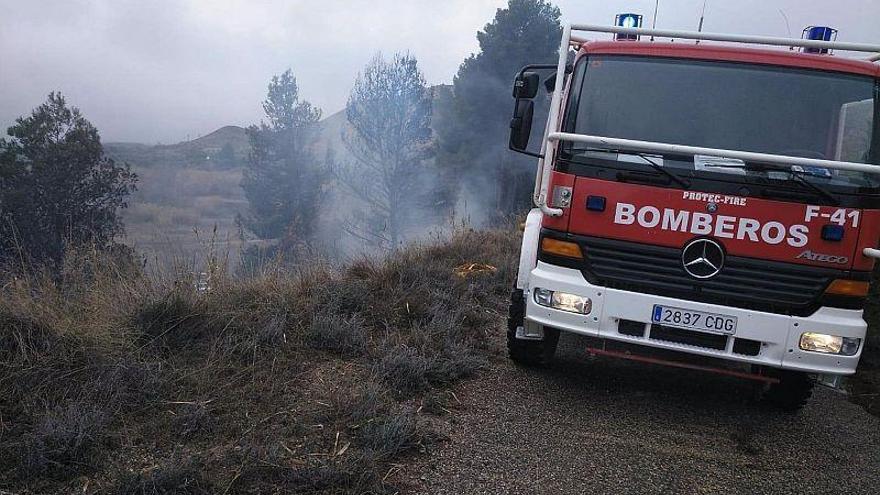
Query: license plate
x=694, y=320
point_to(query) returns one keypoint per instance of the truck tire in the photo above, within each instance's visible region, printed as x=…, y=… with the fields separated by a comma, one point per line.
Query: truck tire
x=528, y=352
x=791, y=393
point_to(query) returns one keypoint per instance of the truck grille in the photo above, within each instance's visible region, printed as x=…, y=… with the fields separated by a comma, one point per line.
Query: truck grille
x=774, y=287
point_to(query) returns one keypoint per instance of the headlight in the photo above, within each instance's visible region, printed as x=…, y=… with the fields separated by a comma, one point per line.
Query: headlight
x=564, y=301
x=830, y=344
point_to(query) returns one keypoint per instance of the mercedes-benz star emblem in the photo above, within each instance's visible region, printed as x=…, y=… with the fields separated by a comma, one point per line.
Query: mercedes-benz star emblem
x=702, y=258
x=712, y=207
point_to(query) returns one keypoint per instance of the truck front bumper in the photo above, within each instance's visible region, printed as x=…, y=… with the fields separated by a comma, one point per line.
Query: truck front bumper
x=778, y=335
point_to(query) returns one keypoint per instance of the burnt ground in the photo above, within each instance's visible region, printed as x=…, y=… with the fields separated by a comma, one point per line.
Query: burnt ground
x=603, y=426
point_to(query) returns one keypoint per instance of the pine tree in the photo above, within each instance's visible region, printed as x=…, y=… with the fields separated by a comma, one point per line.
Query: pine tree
x=389, y=116
x=474, y=134
x=282, y=181
x=57, y=188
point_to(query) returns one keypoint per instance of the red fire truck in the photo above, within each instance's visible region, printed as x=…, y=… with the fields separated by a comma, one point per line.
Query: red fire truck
x=703, y=203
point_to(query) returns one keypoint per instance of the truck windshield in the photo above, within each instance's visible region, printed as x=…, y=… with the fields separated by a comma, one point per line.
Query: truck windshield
x=728, y=105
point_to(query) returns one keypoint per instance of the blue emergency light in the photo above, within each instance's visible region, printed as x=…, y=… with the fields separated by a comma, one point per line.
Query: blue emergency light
x=628, y=20
x=819, y=33
x=832, y=232
x=596, y=203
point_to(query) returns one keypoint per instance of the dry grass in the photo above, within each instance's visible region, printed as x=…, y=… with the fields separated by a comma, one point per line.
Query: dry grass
x=316, y=380
x=287, y=381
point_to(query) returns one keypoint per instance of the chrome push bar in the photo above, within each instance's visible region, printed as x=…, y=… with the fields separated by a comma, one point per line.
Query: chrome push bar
x=607, y=143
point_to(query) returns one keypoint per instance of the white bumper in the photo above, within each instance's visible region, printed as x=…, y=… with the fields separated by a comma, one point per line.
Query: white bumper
x=778, y=333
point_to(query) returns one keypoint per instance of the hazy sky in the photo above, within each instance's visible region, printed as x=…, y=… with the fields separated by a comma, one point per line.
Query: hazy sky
x=151, y=71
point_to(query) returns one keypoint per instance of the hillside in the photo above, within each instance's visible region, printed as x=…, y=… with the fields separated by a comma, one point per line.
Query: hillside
x=196, y=153
x=382, y=376
x=322, y=381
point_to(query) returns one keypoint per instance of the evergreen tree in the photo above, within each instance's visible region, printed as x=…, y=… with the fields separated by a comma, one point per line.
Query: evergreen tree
x=57, y=188
x=473, y=136
x=281, y=180
x=389, y=116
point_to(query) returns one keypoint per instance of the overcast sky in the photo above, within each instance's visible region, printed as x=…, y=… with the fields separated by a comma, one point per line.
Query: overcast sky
x=162, y=71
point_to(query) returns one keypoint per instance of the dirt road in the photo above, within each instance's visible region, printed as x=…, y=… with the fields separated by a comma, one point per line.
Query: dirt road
x=602, y=426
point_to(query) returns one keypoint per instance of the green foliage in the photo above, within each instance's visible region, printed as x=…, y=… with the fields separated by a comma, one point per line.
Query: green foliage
x=281, y=180
x=473, y=135
x=57, y=188
x=389, y=113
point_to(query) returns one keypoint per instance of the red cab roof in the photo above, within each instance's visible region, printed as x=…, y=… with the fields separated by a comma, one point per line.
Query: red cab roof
x=708, y=51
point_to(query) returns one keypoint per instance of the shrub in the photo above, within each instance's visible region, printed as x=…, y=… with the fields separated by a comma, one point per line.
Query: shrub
x=359, y=401
x=453, y=362
x=67, y=442
x=192, y=421
x=271, y=332
x=23, y=339
x=403, y=369
x=172, y=479
x=348, y=474
x=126, y=385
x=341, y=335
x=392, y=435
x=171, y=322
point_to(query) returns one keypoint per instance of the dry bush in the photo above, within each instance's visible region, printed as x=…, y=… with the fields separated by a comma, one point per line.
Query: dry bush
x=403, y=369
x=392, y=435
x=24, y=338
x=349, y=474
x=194, y=420
x=67, y=441
x=176, y=478
x=358, y=401
x=345, y=336
x=108, y=351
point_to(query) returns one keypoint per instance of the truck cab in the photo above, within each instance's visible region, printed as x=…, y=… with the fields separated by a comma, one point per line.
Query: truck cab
x=705, y=205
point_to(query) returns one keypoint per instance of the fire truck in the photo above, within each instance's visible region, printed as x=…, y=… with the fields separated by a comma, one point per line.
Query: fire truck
x=702, y=200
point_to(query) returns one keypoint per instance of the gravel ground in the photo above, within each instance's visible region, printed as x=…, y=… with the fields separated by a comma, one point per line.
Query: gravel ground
x=605, y=426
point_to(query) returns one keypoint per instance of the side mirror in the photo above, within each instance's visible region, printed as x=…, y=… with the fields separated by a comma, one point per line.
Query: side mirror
x=525, y=86
x=521, y=124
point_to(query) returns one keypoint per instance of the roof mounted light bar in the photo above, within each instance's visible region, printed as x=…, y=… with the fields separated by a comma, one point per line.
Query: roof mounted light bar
x=733, y=38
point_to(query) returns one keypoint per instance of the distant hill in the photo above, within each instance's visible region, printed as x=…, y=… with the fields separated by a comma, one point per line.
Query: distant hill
x=194, y=187
x=201, y=151
x=198, y=152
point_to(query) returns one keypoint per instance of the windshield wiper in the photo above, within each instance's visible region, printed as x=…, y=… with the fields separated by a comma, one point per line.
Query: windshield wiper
x=794, y=174
x=660, y=168
x=656, y=166
x=818, y=190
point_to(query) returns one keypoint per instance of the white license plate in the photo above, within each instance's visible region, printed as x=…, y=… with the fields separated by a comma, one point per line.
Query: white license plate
x=693, y=320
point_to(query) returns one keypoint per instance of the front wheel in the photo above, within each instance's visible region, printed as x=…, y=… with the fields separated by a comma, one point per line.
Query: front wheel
x=791, y=393
x=528, y=352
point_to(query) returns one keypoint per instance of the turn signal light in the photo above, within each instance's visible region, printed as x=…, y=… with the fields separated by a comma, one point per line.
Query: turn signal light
x=843, y=287
x=561, y=248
